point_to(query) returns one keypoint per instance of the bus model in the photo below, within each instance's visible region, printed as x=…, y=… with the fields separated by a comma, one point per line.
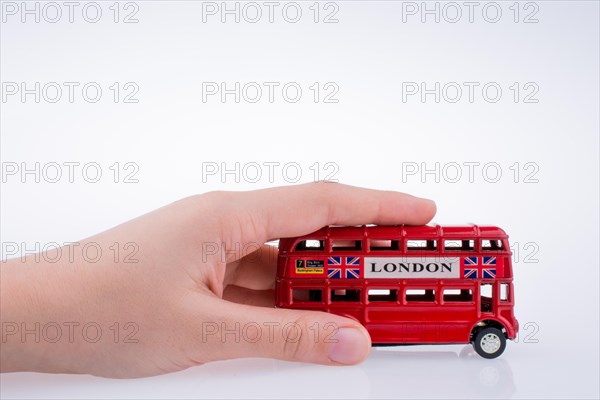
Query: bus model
x=406, y=284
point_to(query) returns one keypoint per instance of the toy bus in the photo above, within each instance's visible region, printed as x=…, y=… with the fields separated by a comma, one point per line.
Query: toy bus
x=406, y=284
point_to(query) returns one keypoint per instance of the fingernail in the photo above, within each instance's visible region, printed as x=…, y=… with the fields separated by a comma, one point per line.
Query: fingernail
x=350, y=347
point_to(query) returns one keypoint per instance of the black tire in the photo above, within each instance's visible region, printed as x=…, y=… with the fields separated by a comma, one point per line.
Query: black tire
x=489, y=342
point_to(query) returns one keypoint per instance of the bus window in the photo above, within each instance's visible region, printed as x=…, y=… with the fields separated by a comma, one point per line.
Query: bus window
x=383, y=295
x=346, y=244
x=419, y=244
x=491, y=245
x=458, y=295
x=504, y=292
x=304, y=295
x=463, y=245
x=345, y=295
x=382, y=245
x=486, y=297
x=310, y=245
x=413, y=295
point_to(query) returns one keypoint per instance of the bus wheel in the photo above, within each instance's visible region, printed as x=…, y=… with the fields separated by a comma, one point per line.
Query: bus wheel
x=489, y=342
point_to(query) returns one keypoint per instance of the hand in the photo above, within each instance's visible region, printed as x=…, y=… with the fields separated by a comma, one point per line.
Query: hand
x=198, y=288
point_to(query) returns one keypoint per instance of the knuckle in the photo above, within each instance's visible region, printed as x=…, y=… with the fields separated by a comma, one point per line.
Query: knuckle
x=296, y=341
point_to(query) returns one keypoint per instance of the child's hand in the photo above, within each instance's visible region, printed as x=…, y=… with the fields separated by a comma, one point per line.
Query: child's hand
x=172, y=289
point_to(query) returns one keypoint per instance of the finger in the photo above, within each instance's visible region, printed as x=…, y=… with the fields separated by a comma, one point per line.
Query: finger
x=255, y=270
x=293, y=335
x=241, y=295
x=297, y=210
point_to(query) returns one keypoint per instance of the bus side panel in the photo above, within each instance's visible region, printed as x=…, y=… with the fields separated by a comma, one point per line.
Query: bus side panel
x=408, y=324
x=354, y=312
x=282, y=288
x=457, y=320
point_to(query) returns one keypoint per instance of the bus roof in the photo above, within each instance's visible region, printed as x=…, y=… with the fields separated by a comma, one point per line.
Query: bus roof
x=434, y=231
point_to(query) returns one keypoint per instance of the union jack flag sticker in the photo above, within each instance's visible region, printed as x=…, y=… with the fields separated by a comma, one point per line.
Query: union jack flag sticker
x=343, y=267
x=353, y=267
x=470, y=268
x=334, y=267
x=489, y=267
x=473, y=269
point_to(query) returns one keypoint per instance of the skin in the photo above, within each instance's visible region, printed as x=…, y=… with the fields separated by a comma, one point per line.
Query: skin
x=200, y=274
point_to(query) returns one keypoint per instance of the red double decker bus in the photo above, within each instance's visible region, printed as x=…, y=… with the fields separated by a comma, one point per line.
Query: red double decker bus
x=406, y=284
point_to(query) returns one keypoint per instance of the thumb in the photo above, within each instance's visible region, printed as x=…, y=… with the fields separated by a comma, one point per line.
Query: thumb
x=293, y=335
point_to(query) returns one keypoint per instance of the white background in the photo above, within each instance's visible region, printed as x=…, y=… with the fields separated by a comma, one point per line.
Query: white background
x=370, y=136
